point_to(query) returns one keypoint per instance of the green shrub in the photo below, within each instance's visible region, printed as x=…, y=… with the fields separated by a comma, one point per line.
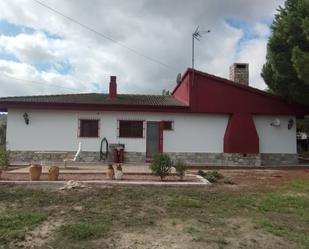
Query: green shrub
x=161, y=165
x=216, y=174
x=228, y=181
x=201, y=173
x=4, y=158
x=181, y=168
x=212, y=176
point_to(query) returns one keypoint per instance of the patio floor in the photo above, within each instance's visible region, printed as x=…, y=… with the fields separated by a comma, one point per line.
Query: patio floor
x=90, y=169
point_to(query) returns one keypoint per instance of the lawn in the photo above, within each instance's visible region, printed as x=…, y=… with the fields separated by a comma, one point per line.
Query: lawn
x=157, y=217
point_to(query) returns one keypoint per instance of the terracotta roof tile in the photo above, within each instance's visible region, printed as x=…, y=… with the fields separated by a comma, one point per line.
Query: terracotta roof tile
x=98, y=99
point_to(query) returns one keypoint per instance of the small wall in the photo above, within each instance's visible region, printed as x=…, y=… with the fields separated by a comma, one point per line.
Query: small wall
x=279, y=159
x=218, y=159
x=192, y=159
x=27, y=157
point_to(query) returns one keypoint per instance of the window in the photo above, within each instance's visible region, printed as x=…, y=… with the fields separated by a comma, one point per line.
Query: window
x=130, y=128
x=168, y=125
x=88, y=128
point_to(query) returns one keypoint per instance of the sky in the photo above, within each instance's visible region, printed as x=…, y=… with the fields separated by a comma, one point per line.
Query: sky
x=145, y=43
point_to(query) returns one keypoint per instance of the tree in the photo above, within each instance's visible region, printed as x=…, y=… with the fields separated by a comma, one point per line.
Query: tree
x=166, y=92
x=286, y=71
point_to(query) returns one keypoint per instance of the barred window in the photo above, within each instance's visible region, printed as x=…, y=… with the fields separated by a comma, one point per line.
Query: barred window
x=88, y=128
x=133, y=129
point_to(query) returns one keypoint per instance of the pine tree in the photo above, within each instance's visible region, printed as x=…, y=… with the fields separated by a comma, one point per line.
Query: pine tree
x=286, y=71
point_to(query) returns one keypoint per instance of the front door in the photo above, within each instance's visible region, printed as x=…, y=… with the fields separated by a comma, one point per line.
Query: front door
x=152, y=139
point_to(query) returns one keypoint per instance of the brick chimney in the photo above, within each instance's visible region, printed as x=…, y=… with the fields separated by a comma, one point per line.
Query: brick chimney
x=113, y=88
x=239, y=72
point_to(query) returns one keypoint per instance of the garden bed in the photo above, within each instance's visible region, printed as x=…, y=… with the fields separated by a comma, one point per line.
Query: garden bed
x=97, y=177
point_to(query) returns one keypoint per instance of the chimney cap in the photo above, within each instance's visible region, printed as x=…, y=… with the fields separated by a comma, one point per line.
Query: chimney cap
x=113, y=78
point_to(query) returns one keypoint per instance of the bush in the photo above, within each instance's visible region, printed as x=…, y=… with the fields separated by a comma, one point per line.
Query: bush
x=161, y=165
x=228, y=181
x=216, y=174
x=4, y=158
x=201, y=173
x=212, y=176
x=181, y=168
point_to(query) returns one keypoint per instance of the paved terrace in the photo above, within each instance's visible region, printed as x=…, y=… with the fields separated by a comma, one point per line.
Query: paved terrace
x=90, y=168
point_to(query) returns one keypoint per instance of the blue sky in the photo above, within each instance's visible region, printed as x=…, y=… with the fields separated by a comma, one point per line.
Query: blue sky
x=249, y=33
x=40, y=46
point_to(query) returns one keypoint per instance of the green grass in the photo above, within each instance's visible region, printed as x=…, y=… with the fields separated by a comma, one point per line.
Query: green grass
x=204, y=215
x=80, y=231
x=13, y=225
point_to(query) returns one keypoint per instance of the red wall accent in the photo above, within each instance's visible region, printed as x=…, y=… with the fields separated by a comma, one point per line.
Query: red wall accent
x=210, y=94
x=240, y=135
x=182, y=91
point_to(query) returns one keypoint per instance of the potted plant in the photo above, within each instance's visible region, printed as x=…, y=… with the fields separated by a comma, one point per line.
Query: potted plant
x=161, y=165
x=118, y=173
x=4, y=160
x=35, y=171
x=110, y=172
x=181, y=168
x=53, y=173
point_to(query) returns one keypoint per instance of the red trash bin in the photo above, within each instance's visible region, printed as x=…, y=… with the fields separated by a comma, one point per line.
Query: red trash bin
x=119, y=154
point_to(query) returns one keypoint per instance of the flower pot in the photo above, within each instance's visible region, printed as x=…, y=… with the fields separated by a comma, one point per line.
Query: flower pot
x=110, y=172
x=35, y=171
x=118, y=173
x=53, y=173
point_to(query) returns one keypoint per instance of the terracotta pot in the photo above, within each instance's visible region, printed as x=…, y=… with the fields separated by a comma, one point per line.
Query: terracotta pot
x=35, y=171
x=118, y=173
x=110, y=172
x=53, y=173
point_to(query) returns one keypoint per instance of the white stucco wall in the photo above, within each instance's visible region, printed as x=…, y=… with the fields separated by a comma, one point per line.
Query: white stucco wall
x=58, y=131
x=276, y=139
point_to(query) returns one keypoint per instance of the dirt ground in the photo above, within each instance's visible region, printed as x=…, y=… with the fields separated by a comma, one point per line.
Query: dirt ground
x=261, y=209
x=253, y=178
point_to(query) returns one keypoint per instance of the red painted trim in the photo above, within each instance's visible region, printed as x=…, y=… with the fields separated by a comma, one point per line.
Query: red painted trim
x=161, y=129
x=169, y=121
x=241, y=135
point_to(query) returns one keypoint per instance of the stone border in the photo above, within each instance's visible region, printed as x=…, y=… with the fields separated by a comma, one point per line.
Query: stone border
x=104, y=182
x=202, y=182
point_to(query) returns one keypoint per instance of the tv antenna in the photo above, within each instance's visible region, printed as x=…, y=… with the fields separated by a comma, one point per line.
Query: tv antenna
x=197, y=35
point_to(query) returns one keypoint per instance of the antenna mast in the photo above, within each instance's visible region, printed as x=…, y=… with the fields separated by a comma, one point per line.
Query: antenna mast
x=196, y=35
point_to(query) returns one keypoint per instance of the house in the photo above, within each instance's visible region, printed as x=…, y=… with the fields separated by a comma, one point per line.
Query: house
x=207, y=120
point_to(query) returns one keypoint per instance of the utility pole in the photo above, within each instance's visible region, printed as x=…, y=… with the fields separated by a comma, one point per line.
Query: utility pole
x=197, y=34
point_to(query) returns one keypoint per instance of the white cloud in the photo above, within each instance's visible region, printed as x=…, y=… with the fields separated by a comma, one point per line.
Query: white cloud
x=261, y=29
x=254, y=52
x=158, y=29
